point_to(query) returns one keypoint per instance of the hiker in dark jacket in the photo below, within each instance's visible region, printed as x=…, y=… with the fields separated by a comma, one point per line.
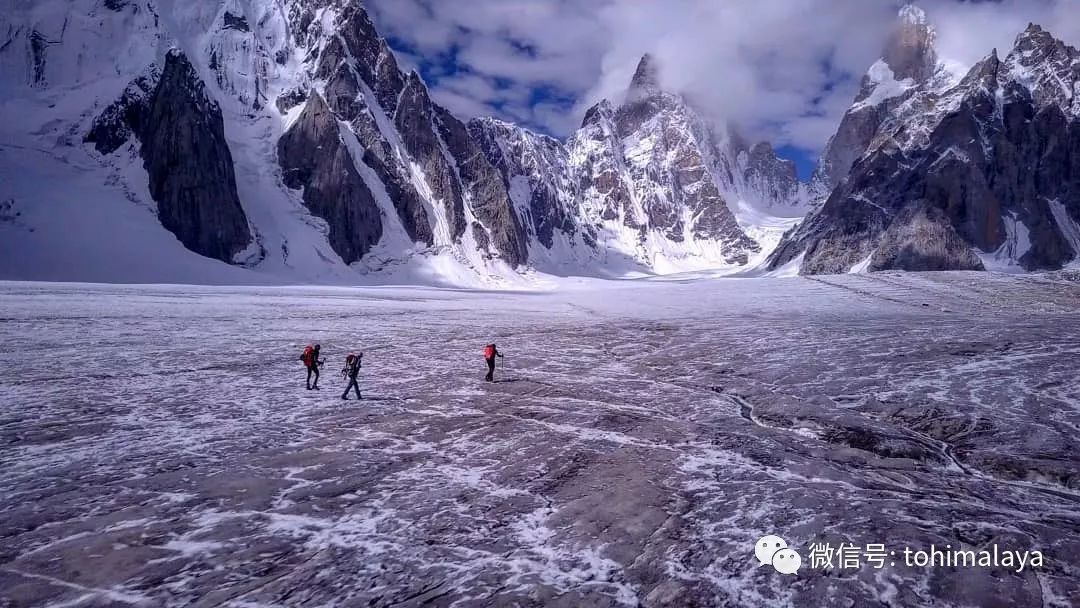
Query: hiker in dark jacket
x=490, y=352
x=312, y=362
x=351, y=371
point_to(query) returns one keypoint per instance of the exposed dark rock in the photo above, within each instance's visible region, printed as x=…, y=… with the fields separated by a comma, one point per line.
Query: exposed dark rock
x=910, y=54
x=646, y=80
x=375, y=62
x=923, y=239
x=767, y=173
x=857, y=129
x=189, y=165
x=598, y=112
x=998, y=174
x=236, y=22
x=345, y=97
x=910, y=50
x=395, y=177
x=489, y=201
x=314, y=157
x=415, y=121
x=126, y=116
x=539, y=160
x=290, y=99
x=38, y=46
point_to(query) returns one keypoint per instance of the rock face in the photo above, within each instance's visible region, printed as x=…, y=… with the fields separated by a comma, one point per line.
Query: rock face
x=484, y=188
x=345, y=92
x=432, y=171
x=922, y=238
x=314, y=157
x=653, y=170
x=891, y=91
x=989, y=169
x=775, y=179
x=910, y=51
x=646, y=184
x=536, y=173
x=648, y=178
x=189, y=164
x=126, y=117
x=415, y=120
x=925, y=163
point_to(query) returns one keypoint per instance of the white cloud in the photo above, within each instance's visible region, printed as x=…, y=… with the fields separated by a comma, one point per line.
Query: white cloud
x=783, y=70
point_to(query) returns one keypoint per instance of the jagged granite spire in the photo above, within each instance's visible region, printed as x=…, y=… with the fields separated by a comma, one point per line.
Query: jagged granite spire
x=910, y=51
x=909, y=61
x=646, y=80
x=986, y=182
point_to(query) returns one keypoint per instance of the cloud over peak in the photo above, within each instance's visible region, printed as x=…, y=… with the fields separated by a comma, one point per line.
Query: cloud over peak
x=783, y=70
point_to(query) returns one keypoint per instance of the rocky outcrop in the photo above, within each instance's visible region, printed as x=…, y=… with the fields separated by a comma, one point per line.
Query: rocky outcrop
x=189, y=164
x=923, y=239
x=126, y=117
x=345, y=96
x=415, y=120
x=314, y=157
x=646, y=81
x=432, y=171
x=483, y=185
x=599, y=168
x=775, y=178
x=908, y=67
x=668, y=160
x=999, y=171
x=536, y=174
x=910, y=51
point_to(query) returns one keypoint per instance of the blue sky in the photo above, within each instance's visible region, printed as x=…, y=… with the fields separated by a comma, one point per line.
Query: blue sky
x=783, y=71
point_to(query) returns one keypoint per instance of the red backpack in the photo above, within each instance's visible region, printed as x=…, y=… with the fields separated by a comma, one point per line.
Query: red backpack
x=308, y=356
x=489, y=351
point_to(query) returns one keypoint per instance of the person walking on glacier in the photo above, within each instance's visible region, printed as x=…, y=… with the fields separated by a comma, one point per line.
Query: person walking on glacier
x=351, y=371
x=312, y=362
x=490, y=352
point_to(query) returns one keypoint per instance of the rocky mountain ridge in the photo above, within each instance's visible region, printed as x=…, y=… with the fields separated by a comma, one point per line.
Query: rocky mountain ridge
x=318, y=114
x=282, y=136
x=980, y=174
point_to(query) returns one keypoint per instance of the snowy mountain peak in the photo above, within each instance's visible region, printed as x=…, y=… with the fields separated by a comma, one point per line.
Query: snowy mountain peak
x=957, y=175
x=1035, y=45
x=601, y=111
x=913, y=15
x=909, y=64
x=646, y=80
x=1047, y=67
x=910, y=51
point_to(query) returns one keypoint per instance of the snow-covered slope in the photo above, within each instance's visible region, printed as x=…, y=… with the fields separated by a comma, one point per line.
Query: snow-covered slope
x=269, y=141
x=650, y=182
x=281, y=137
x=404, y=195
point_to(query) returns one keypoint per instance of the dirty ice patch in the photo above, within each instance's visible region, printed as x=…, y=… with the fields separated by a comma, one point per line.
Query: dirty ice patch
x=1068, y=227
x=1017, y=243
x=542, y=560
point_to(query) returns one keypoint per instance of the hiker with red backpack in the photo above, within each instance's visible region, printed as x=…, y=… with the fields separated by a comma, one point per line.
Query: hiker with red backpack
x=490, y=352
x=351, y=371
x=312, y=362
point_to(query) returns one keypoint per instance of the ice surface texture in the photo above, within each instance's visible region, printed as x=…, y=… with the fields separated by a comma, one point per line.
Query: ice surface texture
x=160, y=448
